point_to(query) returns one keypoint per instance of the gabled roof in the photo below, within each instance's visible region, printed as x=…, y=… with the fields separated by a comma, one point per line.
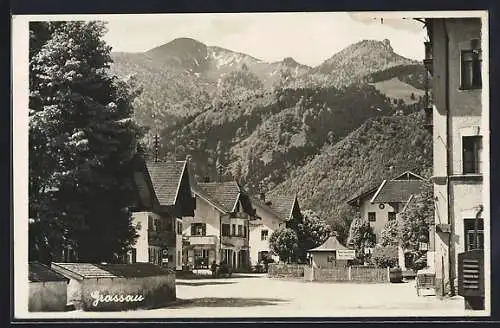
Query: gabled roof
x=89, y=270
x=374, y=189
x=266, y=207
x=39, y=272
x=282, y=205
x=397, y=191
x=223, y=195
x=363, y=194
x=408, y=175
x=166, y=179
x=331, y=244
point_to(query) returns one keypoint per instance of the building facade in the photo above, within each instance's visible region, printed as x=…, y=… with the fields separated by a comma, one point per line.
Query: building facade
x=271, y=214
x=454, y=60
x=386, y=201
x=219, y=229
x=164, y=199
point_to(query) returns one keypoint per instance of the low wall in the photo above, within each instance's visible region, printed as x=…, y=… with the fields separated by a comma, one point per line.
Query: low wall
x=47, y=296
x=278, y=270
x=127, y=293
x=331, y=274
x=352, y=274
x=369, y=274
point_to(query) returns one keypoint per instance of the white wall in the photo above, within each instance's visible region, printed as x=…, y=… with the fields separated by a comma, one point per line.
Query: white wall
x=381, y=215
x=270, y=223
x=141, y=244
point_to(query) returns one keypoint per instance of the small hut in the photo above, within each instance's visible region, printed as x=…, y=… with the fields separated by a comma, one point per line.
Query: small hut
x=331, y=254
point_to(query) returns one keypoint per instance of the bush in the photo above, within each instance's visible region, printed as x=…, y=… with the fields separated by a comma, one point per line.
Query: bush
x=385, y=256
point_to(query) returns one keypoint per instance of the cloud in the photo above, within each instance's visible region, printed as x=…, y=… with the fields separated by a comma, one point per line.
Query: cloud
x=406, y=24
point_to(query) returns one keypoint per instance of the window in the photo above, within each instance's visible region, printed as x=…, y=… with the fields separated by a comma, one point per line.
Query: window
x=154, y=255
x=391, y=216
x=233, y=230
x=178, y=257
x=150, y=223
x=372, y=216
x=198, y=229
x=469, y=225
x=132, y=256
x=169, y=224
x=472, y=149
x=471, y=69
x=179, y=227
x=226, y=229
x=240, y=230
x=245, y=231
x=264, y=234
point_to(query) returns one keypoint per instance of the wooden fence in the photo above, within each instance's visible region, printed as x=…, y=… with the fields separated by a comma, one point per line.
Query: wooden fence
x=352, y=273
x=279, y=270
x=368, y=274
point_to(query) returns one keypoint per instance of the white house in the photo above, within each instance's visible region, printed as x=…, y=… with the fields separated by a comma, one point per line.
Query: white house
x=271, y=214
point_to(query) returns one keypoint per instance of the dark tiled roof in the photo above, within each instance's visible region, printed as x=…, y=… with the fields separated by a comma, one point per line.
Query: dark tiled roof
x=89, y=270
x=85, y=270
x=166, y=178
x=397, y=191
x=222, y=194
x=331, y=244
x=41, y=273
x=134, y=270
x=368, y=192
x=261, y=204
x=282, y=205
x=364, y=193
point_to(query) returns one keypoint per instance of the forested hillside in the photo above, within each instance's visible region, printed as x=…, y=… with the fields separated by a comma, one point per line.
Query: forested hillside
x=357, y=162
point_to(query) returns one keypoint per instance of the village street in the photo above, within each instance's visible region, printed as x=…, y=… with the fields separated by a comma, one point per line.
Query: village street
x=253, y=295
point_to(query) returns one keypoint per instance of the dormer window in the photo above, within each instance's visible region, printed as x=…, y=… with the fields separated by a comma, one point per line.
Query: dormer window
x=471, y=67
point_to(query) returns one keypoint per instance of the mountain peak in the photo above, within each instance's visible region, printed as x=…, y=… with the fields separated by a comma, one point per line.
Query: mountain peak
x=289, y=61
x=187, y=53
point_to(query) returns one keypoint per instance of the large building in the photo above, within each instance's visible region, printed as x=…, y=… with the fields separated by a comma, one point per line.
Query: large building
x=454, y=60
x=218, y=230
x=165, y=197
x=386, y=200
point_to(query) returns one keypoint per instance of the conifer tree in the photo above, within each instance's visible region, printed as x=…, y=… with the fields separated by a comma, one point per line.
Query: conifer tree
x=83, y=143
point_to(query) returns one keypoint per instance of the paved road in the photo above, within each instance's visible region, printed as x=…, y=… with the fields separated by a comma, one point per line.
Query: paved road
x=259, y=296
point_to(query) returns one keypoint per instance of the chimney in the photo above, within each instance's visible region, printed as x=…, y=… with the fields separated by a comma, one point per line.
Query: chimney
x=263, y=197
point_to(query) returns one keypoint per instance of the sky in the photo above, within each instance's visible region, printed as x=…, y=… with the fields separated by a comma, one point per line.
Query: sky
x=309, y=38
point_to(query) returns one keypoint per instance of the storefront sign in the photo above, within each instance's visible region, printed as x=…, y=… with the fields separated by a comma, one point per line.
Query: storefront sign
x=346, y=254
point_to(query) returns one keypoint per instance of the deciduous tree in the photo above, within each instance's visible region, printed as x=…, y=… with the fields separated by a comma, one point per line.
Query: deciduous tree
x=284, y=243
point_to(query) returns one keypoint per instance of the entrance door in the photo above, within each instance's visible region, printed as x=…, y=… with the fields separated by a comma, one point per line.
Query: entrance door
x=234, y=263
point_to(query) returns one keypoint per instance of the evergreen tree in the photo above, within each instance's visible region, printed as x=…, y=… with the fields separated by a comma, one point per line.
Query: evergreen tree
x=83, y=143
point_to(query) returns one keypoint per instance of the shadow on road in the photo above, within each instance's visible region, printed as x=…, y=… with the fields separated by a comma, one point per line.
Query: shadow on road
x=203, y=283
x=224, y=302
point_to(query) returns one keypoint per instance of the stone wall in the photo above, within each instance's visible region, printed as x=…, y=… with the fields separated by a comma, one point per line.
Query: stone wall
x=369, y=274
x=279, y=270
x=331, y=274
x=47, y=296
x=149, y=292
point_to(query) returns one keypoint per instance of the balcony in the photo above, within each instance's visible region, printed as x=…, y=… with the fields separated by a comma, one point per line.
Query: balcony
x=161, y=238
x=202, y=240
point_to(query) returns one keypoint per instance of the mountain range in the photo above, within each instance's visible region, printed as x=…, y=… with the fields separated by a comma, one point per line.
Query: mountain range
x=283, y=127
